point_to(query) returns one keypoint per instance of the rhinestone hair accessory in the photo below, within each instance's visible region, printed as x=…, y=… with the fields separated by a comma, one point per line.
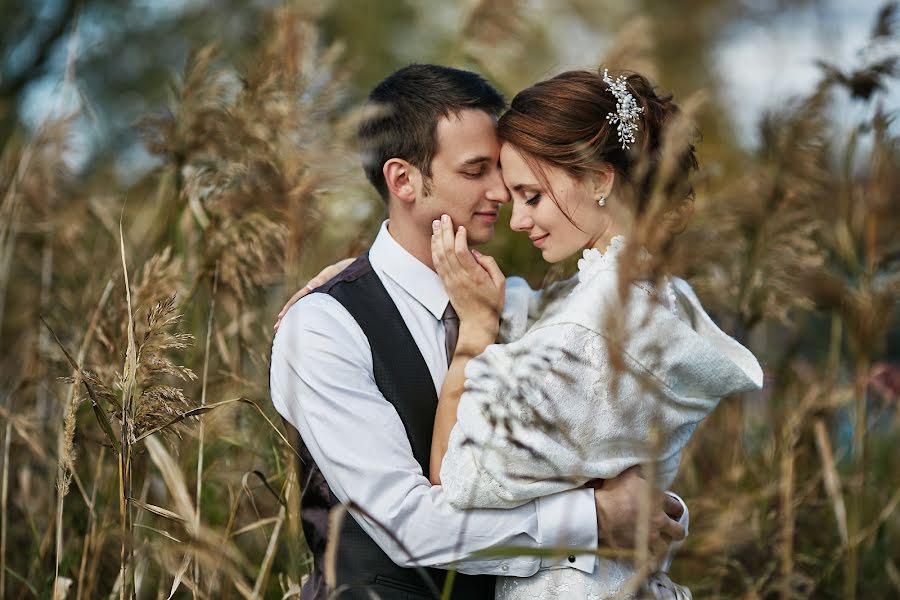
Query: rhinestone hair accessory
x=627, y=110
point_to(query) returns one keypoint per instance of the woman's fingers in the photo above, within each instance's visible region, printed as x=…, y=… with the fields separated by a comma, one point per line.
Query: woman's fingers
x=461, y=248
x=438, y=256
x=490, y=265
x=293, y=300
x=327, y=273
x=323, y=277
x=449, y=242
x=343, y=264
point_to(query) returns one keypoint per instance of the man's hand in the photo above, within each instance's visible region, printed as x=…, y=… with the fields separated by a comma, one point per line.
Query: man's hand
x=617, y=513
x=323, y=276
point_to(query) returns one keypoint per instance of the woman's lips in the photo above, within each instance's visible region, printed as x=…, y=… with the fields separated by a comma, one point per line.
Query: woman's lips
x=539, y=241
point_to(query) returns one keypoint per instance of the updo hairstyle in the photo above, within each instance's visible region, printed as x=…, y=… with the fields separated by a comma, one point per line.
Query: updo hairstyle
x=563, y=122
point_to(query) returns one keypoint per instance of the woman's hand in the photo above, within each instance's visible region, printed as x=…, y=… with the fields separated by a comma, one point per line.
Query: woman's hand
x=323, y=276
x=475, y=286
x=473, y=281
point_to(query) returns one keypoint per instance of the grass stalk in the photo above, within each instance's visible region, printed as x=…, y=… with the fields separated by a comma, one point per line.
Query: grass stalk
x=857, y=486
x=4, y=504
x=61, y=490
x=128, y=376
x=788, y=519
x=201, y=427
x=43, y=344
x=9, y=224
x=65, y=459
x=266, y=566
x=90, y=537
x=7, y=247
x=831, y=478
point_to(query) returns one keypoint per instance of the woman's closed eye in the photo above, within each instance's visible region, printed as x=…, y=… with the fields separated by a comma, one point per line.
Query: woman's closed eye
x=533, y=199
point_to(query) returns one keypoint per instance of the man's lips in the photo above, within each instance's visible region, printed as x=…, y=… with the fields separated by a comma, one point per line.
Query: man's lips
x=539, y=240
x=489, y=215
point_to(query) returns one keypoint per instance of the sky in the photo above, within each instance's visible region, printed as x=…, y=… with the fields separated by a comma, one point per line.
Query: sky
x=764, y=64
x=759, y=63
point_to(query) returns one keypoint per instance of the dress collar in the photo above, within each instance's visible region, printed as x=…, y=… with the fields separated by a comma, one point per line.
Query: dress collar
x=593, y=261
x=407, y=271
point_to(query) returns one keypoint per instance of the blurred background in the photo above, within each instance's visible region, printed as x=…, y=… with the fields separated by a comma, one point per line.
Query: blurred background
x=202, y=152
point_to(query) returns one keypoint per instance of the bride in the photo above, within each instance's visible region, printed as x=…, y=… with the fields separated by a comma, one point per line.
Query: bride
x=619, y=371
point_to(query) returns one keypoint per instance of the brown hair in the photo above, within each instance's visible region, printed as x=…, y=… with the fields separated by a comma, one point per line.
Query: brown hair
x=563, y=122
x=404, y=110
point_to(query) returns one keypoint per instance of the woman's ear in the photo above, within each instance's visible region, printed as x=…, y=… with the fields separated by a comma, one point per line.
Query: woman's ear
x=400, y=177
x=603, y=181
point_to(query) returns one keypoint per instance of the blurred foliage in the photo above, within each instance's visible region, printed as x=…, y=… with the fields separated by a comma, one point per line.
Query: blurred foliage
x=246, y=183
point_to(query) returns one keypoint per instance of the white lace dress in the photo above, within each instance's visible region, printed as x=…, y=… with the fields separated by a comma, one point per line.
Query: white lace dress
x=595, y=386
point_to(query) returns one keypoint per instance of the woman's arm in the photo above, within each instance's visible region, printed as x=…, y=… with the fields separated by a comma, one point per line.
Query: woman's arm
x=475, y=287
x=472, y=342
x=323, y=276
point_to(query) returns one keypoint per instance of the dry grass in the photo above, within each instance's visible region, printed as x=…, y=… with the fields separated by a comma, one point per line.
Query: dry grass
x=111, y=486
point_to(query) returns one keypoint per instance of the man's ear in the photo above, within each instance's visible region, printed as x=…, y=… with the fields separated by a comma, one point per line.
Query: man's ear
x=400, y=176
x=604, y=180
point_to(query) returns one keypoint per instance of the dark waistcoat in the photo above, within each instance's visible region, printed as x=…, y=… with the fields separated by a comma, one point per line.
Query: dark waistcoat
x=403, y=378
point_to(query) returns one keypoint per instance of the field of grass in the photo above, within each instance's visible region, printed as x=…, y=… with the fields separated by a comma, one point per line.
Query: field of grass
x=141, y=454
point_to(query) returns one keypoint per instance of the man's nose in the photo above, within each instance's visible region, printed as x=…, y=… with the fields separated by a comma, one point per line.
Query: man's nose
x=497, y=191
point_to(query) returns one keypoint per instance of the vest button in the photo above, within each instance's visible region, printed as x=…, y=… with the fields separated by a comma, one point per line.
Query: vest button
x=571, y=558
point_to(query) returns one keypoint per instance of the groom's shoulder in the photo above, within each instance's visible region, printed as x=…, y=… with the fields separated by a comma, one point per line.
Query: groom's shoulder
x=315, y=317
x=354, y=271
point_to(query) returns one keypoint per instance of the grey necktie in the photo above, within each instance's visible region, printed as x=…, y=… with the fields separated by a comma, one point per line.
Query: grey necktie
x=451, y=328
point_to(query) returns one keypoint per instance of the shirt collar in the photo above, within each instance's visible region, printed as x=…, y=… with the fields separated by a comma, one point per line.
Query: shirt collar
x=407, y=271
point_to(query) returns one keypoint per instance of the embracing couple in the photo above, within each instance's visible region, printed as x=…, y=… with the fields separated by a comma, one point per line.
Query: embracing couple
x=455, y=411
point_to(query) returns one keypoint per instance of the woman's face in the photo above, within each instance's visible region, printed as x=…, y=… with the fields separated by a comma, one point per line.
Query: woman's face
x=536, y=213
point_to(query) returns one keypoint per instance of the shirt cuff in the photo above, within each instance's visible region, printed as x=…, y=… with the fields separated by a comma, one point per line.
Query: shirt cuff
x=684, y=521
x=569, y=520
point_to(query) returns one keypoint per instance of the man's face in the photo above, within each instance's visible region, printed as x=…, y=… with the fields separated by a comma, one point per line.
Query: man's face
x=465, y=176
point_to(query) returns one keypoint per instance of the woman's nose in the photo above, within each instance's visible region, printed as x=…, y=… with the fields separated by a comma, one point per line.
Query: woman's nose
x=520, y=221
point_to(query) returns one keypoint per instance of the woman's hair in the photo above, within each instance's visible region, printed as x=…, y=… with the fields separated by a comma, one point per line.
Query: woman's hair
x=563, y=122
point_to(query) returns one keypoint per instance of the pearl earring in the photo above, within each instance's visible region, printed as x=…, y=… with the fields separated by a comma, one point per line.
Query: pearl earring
x=601, y=201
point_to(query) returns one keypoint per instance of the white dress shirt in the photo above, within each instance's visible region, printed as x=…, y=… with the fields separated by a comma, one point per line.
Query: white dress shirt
x=322, y=383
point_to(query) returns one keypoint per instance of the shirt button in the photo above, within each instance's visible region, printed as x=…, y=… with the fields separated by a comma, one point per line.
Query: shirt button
x=505, y=567
x=571, y=558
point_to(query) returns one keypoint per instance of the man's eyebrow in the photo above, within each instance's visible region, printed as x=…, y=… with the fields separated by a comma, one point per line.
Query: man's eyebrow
x=475, y=160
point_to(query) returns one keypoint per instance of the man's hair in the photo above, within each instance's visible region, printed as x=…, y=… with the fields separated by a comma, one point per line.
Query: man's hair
x=403, y=111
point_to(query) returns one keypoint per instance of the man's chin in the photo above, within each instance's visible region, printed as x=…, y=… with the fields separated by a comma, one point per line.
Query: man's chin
x=479, y=235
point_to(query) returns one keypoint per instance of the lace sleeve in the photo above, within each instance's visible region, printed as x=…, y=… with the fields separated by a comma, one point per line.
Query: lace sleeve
x=466, y=482
x=517, y=435
x=524, y=306
x=517, y=306
x=549, y=412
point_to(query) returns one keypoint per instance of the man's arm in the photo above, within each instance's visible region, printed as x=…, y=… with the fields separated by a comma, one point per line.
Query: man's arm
x=322, y=383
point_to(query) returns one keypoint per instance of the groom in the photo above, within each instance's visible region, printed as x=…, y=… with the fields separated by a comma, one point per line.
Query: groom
x=358, y=365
